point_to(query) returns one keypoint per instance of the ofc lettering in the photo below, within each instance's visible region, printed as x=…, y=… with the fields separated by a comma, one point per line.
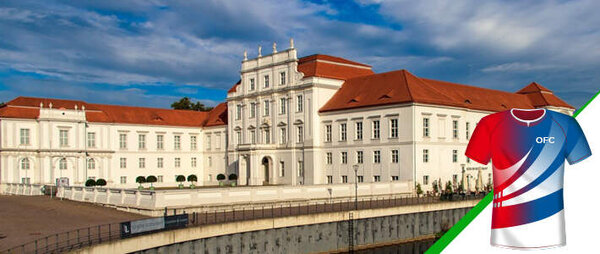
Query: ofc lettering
x=544, y=140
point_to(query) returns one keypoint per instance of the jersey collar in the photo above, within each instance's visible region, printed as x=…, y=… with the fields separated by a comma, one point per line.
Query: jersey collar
x=524, y=122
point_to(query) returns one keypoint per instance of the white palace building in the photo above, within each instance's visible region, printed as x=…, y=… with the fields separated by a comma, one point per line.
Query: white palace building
x=288, y=121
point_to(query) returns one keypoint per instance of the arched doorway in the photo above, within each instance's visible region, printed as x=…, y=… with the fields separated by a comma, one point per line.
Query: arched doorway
x=266, y=165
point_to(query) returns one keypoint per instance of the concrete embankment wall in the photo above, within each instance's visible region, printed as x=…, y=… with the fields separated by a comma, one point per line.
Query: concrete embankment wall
x=298, y=234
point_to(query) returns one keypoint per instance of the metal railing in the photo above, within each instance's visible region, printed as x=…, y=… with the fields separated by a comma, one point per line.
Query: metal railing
x=75, y=239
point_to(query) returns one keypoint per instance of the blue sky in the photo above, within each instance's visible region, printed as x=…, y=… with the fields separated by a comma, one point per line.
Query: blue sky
x=152, y=52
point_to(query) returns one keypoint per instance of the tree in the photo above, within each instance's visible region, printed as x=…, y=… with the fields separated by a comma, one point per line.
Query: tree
x=233, y=177
x=90, y=183
x=140, y=180
x=180, y=179
x=435, y=187
x=186, y=104
x=151, y=179
x=220, y=178
x=418, y=189
x=100, y=182
x=192, y=179
x=448, y=187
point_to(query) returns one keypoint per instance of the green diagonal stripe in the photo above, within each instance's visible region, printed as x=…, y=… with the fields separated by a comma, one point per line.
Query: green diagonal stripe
x=443, y=242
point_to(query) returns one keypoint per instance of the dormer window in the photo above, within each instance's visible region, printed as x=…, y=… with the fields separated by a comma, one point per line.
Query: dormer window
x=467, y=101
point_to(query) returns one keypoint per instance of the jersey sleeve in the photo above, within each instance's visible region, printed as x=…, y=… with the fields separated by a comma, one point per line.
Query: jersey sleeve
x=479, y=148
x=577, y=147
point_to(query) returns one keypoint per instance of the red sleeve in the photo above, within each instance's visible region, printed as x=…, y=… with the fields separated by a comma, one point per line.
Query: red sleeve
x=479, y=148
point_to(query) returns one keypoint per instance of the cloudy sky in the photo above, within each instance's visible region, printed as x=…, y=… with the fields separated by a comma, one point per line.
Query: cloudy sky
x=152, y=52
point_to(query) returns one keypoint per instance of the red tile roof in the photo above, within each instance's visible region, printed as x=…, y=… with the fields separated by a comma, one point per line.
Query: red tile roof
x=28, y=107
x=234, y=87
x=541, y=96
x=402, y=87
x=217, y=116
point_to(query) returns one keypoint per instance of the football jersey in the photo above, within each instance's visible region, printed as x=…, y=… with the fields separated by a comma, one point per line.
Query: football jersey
x=528, y=148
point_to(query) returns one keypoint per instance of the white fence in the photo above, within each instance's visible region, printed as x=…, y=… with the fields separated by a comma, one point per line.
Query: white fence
x=21, y=189
x=218, y=196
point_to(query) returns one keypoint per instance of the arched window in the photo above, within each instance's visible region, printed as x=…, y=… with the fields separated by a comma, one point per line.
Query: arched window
x=91, y=164
x=25, y=163
x=62, y=164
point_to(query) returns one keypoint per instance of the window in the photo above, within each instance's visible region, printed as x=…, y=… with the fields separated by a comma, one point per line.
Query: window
x=454, y=179
x=91, y=164
x=160, y=142
x=91, y=139
x=425, y=127
x=328, y=133
x=218, y=141
x=24, y=136
x=360, y=157
x=376, y=178
x=253, y=136
x=395, y=178
x=177, y=162
x=301, y=168
x=238, y=112
x=142, y=163
x=266, y=81
x=425, y=180
x=159, y=179
x=123, y=180
x=281, y=169
x=344, y=157
x=394, y=156
x=361, y=179
x=62, y=164
x=160, y=163
x=142, y=141
x=300, y=134
x=193, y=143
x=299, y=103
x=252, y=84
x=266, y=113
x=454, y=128
x=209, y=161
x=359, y=130
x=282, y=105
x=376, y=129
x=282, y=78
x=267, y=136
x=425, y=155
x=454, y=155
x=329, y=159
x=208, y=141
x=467, y=130
x=343, y=133
x=123, y=141
x=329, y=179
x=344, y=179
x=123, y=162
x=25, y=163
x=377, y=156
x=64, y=138
x=238, y=137
x=25, y=180
x=282, y=136
x=252, y=110
x=194, y=162
x=393, y=128
x=177, y=142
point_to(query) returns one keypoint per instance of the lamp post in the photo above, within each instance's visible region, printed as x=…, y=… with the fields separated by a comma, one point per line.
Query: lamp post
x=355, y=186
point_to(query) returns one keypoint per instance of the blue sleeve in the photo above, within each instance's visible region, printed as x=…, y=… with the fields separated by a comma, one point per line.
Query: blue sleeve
x=577, y=147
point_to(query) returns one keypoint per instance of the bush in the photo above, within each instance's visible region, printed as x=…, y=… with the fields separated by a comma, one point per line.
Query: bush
x=448, y=187
x=418, y=189
x=100, y=182
x=220, y=177
x=151, y=179
x=90, y=183
x=192, y=178
x=180, y=178
x=233, y=177
x=140, y=179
